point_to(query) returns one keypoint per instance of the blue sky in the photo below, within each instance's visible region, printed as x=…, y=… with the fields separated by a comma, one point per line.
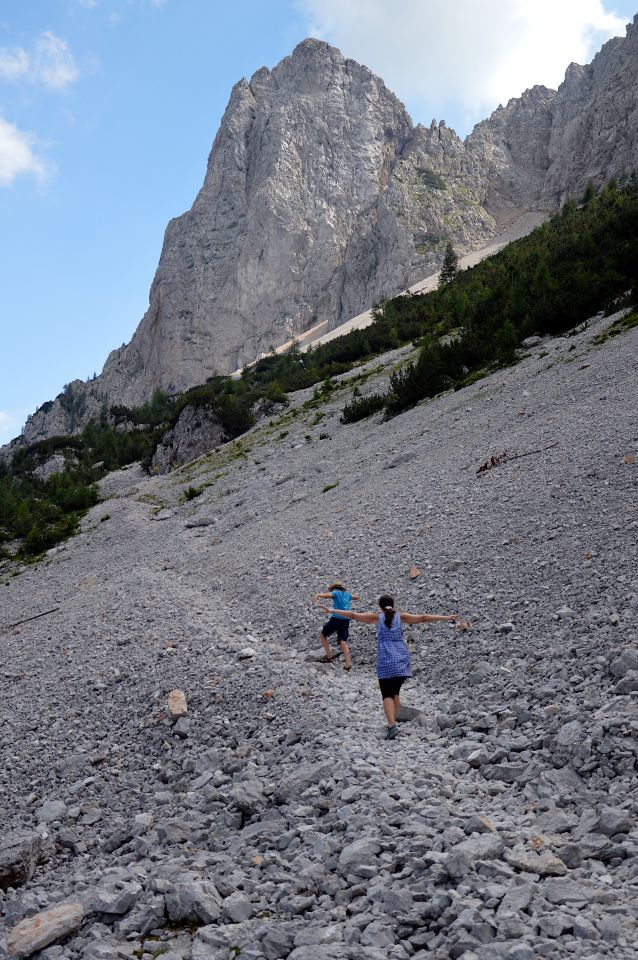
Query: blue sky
x=108, y=109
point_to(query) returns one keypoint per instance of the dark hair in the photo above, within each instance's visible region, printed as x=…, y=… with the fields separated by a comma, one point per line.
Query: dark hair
x=387, y=605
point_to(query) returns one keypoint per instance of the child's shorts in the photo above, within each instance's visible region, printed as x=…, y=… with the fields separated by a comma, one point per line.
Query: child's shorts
x=338, y=625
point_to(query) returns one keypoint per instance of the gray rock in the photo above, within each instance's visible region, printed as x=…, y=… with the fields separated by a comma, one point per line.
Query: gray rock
x=237, y=908
x=51, y=810
x=628, y=684
x=628, y=660
x=146, y=915
x=248, y=796
x=359, y=852
x=181, y=728
x=542, y=862
x=116, y=896
x=19, y=855
x=612, y=820
x=189, y=897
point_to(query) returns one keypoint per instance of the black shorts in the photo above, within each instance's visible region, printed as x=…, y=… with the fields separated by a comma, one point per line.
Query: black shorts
x=391, y=686
x=338, y=625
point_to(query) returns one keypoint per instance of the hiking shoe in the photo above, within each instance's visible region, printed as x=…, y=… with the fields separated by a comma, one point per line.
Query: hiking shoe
x=391, y=733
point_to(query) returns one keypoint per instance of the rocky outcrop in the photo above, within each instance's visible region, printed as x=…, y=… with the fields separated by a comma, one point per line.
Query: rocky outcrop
x=547, y=145
x=321, y=198
x=196, y=432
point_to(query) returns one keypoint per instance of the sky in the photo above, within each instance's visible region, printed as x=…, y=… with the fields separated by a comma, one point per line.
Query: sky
x=108, y=110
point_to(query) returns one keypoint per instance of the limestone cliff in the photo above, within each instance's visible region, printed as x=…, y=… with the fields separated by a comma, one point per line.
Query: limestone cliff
x=319, y=199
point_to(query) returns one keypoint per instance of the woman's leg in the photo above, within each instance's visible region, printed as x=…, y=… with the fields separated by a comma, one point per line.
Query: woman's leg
x=389, y=710
x=397, y=705
x=326, y=646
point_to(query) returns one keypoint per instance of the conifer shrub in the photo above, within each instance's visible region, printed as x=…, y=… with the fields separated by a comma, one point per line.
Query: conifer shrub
x=361, y=407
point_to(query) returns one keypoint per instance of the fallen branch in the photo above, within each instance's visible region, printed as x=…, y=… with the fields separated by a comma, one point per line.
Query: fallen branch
x=19, y=623
x=505, y=457
x=530, y=453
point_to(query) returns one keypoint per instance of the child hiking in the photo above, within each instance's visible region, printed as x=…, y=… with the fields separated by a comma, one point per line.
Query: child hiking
x=393, y=656
x=337, y=623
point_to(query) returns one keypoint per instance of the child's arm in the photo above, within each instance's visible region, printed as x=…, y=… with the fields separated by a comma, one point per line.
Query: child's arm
x=351, y=615
x=322, y=596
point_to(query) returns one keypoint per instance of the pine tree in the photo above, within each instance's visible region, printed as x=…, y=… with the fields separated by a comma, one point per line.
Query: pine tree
x=450, y=266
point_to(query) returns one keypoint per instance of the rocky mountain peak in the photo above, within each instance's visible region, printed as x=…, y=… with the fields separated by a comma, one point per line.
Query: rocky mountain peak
x=321, y=198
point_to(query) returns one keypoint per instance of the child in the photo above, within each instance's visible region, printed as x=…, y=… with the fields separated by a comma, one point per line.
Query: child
x=393, y=656
x=337, y=623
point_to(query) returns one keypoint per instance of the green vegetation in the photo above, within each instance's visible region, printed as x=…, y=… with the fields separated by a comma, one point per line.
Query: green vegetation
x=430, y=178
x=330, y=486
x=190, y=493
x=450, y=265
x=578, y=263
x=38, y=512
x=361, y=407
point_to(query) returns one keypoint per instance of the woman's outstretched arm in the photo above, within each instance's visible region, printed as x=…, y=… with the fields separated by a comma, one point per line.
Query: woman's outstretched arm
x=351, y=615
x=428, y=618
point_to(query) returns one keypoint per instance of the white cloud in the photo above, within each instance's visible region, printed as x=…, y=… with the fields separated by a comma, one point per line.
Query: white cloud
x=114, y=18
x=53, y=62
x=18, y=155
x=14, y=63
x=467, y=54
x=10, y=425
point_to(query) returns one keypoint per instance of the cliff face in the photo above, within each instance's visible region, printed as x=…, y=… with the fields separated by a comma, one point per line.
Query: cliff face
x=321, y=198
x=308, y=213
x=547, y=145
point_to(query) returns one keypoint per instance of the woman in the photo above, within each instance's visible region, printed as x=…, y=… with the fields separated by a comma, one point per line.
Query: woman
x=393, y=657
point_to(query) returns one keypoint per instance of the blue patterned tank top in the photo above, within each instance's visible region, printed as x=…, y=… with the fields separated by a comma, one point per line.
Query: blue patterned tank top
x=393, y=657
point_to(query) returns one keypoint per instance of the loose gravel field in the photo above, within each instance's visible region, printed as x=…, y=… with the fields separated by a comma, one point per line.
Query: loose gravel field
x=273, y=820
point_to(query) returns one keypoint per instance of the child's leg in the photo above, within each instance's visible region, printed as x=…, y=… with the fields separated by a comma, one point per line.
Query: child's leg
x=345, y=649
x=326, y=646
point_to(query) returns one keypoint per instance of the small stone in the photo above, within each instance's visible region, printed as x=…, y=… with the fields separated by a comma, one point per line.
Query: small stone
x=478, y=758
x=613, y=820
x=543, y=862
x=116, y=897
x=18, y=859
x=564, y=612
x=177, y=704
x=51, y=810
x=628, y=684
x=237, y=908
x=182, y=728
x=584, y=929
x=247, y=653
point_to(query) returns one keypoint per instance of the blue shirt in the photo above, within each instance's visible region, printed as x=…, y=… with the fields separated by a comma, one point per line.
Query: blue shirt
x=341, y=601
x=393, y=657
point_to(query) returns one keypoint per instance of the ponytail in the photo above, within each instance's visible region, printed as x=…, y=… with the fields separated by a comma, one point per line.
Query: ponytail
x=387, y=605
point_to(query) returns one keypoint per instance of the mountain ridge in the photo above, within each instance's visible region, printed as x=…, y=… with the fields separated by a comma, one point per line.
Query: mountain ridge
x=297, y=222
